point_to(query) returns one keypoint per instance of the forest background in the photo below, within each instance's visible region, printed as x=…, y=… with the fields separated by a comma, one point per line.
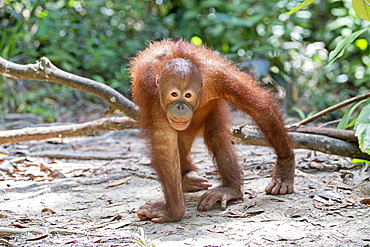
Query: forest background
x=95, y=39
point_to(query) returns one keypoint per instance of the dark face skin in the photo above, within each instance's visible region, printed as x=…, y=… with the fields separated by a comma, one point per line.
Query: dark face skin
x=180, y=85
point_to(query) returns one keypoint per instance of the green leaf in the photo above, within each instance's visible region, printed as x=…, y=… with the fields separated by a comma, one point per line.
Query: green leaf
x=43, y=14
x=364, y=117
x=98, y=78
x=362, y=8
x=363, y=135
x=311, y=114
x=292, y=119
x=357, y=161
x=301, y=6
x=342, y=46
x=300, y=112
x=236, y=21
x=351, y=124
x=363, y=129
x=343, y=124
x=211, y=4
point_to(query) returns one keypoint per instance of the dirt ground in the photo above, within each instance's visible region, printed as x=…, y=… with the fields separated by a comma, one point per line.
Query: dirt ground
x=84, y=192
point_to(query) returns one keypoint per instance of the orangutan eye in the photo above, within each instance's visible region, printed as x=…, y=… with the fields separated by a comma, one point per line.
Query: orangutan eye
x=174, y=94
x=188, y=95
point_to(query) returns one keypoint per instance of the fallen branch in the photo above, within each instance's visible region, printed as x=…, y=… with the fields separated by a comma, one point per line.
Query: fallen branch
x=83, y=129
x=44, y=70
x=9, y=231
x=325, y=144
x=319, y=141
x=348, y=135
x=61, y=154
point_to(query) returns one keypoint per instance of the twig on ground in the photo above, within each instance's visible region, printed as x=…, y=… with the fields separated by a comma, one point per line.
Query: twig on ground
x=9, y=231
x=59, y=154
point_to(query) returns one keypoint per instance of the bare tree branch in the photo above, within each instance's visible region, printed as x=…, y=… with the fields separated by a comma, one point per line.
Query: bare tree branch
x=44, y=70
x=333, y=108
x=325, y=144
x=348, y=135
x=88, y=128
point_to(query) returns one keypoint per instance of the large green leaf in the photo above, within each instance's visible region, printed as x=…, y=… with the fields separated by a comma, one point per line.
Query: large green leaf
x=301, y=6
x=343, y=124
x=362, y=8
x=363, y=129
x=342, y=46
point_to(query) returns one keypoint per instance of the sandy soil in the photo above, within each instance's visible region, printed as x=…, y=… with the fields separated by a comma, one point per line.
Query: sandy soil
x=104, y=180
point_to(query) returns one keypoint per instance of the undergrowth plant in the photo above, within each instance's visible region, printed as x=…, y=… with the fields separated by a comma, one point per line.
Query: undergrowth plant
x=362, y=122
x=141, y=240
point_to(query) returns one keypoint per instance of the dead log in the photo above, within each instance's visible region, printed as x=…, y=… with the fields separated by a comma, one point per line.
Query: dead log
x=348, y=135
x=325, y=144
x=68, y=130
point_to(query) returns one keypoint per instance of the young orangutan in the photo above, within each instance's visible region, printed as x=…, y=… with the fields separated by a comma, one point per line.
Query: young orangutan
x=182, y=91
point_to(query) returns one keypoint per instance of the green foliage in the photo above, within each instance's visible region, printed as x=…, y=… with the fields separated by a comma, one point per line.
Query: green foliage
x=342, y=46
x=301, y=114
x=357, y=161
x=362, y=128
x=96, y=38
x=300, y=6
x=362, y=123
x=345, y=122
x=141, y=240
x=362, y=9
